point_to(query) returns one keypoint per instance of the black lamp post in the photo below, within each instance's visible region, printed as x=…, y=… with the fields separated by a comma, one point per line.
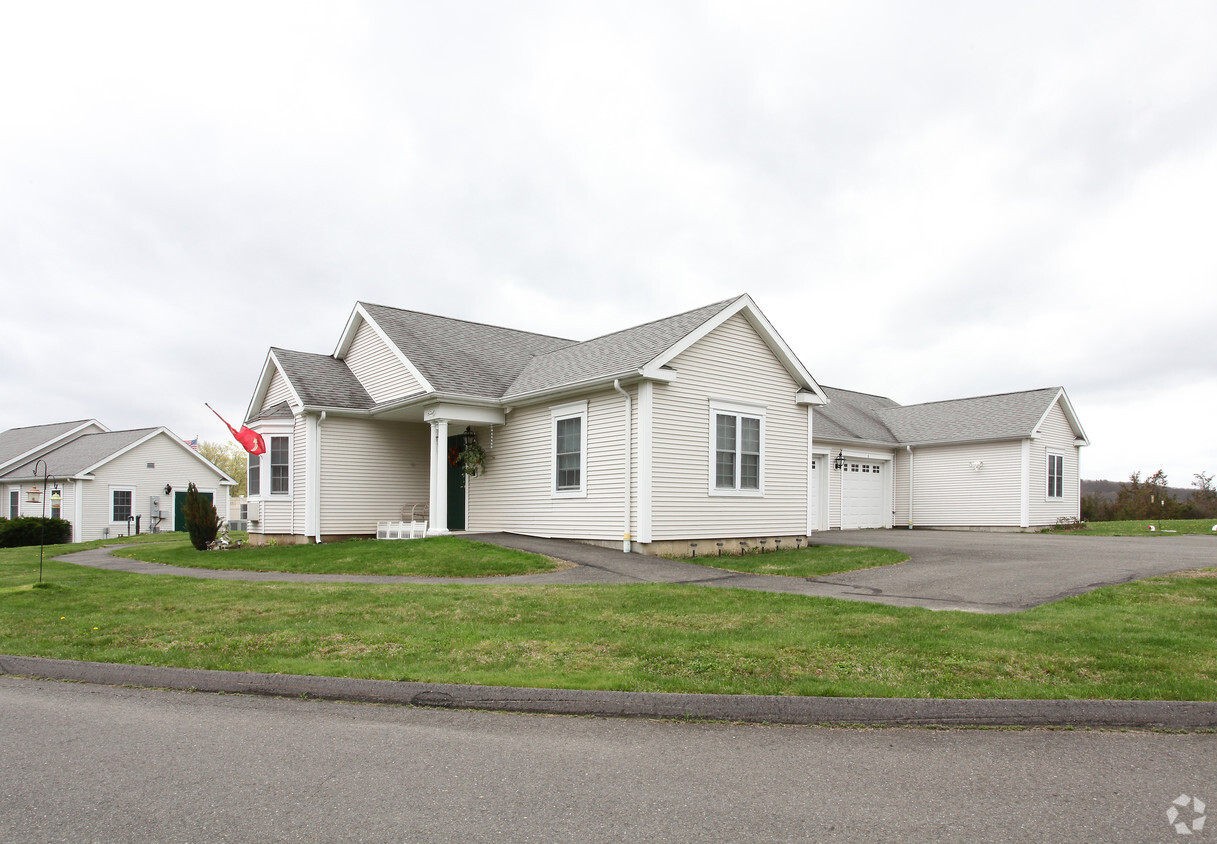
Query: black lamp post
x=35, y=496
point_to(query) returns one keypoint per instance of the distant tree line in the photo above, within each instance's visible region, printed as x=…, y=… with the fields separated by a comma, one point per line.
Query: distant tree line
x=1150, y=498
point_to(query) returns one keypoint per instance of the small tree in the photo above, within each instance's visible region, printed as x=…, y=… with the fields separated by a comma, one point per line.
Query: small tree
x=1204, y=499
x=231, y=458
x=201, y=518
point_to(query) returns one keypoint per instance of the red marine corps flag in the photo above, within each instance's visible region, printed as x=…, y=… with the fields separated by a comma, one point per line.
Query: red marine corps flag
x=251, y=441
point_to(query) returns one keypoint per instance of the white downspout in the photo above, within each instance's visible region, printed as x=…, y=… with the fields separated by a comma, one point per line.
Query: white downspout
x=629, y=413
x=910, y=451
x=317, y=485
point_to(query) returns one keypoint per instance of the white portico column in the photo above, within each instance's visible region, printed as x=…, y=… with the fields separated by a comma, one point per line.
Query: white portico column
x=439, y=477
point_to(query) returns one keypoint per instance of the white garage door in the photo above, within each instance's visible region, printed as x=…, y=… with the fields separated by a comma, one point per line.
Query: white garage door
x=862, y=494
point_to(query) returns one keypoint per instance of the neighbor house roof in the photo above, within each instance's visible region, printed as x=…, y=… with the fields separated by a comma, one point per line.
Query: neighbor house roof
x=81, y=454
x=1002, y=416
x=16, y=443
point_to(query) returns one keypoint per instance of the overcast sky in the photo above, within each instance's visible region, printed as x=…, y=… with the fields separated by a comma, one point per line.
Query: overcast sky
x=928, y=200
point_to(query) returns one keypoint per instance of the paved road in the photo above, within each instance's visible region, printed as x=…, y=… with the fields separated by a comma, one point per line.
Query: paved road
x=947, y=570
x=96, y=763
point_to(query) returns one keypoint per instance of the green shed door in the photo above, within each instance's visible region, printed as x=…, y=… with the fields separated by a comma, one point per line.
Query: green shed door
x=179, y=508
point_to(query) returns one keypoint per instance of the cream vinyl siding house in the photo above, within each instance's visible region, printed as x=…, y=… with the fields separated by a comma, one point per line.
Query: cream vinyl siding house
x=587, y=440
x=701, y=427
x=104, y=476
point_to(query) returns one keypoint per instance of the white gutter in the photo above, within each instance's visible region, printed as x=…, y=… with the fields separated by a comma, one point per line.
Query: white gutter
x=317, y=484
x=910, y=451
x=629, y=412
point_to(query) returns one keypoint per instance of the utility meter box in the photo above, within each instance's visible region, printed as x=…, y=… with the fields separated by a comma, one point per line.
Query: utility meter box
x=154, y=507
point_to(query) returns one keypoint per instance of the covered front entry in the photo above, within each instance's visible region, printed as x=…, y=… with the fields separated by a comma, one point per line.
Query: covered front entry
x=863, y=494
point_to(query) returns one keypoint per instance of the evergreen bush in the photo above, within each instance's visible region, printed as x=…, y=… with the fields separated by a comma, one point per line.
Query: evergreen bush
x=202, y=521
x=18, y=533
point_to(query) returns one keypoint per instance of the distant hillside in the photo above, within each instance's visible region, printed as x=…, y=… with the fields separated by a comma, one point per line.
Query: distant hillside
x=1107, y=490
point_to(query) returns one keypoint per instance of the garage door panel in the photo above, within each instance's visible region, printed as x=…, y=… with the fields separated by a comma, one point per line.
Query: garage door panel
x=862, y=494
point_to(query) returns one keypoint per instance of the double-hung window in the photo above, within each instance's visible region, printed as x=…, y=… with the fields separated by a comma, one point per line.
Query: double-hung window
x=1056, y=475
x=121, y=501
x=569, y=450
x=280, y=468
x=737, y=447
x=255, y=475
x=14, y=504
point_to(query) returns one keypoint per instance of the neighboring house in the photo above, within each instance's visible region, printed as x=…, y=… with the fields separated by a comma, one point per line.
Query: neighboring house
x=105, y=479
x=1001, y=461
x=694, y=428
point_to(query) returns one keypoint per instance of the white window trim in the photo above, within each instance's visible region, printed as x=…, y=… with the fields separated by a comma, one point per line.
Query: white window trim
x=8, y=503
x=267, y=476
x=134, y=509
x=737, y=409
x=1048, y=475
x=571, y=410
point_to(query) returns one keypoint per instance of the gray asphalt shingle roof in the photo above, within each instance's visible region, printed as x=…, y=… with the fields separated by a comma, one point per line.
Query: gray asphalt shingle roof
x=1002, y=416
x=322, y=380
x=459, y=357
x=852, y=416
x=877, y=419
x=18, y=441
x=77, y=455
x=613, y=354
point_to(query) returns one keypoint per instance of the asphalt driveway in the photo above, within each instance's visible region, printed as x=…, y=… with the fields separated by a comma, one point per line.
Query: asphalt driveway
x=946, y=570
x=1006, y=572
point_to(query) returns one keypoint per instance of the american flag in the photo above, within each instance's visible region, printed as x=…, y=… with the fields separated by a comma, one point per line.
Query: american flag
x=194, y=443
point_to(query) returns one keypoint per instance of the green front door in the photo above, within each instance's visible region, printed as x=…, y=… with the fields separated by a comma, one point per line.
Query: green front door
x=179, y=508
x=456, y=486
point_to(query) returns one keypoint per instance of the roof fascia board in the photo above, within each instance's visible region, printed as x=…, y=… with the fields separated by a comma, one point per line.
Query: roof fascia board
x=850, y=443
x=47, y=445
x=352, y=328
x=580, y=387
x=761, y=324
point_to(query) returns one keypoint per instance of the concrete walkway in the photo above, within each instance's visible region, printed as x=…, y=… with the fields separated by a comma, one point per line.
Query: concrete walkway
x=968, y=571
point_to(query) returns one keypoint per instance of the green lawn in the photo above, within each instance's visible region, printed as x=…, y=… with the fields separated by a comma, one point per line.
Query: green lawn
x=1154, y=639
x=439, y=556
x=813, y=561
x=1166, y=527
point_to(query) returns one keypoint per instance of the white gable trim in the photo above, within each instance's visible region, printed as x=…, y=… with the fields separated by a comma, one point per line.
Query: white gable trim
x=176, y=441
x=269, y=368
x=744, y=305
x=357, y=318
x=1070, y=416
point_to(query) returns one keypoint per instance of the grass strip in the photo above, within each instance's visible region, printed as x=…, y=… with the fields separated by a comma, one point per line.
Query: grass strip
x=438, y=556
x=1154, y=639
x=1164, y=528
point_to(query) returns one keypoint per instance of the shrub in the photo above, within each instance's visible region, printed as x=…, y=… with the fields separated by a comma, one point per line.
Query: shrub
x=17, y=533
x=201, y=519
